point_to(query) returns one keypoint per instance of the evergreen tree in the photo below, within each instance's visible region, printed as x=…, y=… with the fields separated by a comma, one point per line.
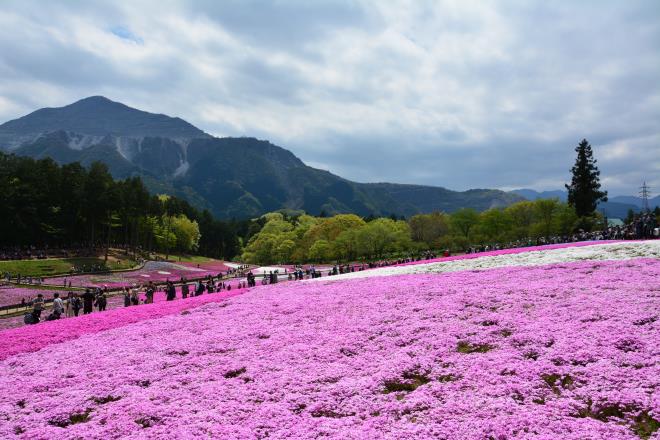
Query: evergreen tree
x=584, y=191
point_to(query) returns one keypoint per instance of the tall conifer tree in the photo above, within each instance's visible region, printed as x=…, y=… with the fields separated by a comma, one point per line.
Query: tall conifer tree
x=584, y=191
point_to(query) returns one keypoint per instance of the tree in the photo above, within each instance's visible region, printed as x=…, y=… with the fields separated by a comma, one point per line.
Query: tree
x=464, y=220
x=186, y=232
x=584, y=191
x=320, y=251
x=495, y=224
x=428, y=228
x=545, y=210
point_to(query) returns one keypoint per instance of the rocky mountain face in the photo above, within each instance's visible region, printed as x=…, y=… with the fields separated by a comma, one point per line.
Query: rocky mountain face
x=232, y=177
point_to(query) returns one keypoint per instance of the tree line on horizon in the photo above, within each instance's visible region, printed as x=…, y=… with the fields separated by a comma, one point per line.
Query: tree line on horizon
x=301, y=238
x=42, y=202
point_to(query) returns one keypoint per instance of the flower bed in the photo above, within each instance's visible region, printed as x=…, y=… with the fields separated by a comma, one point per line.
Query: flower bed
x=31, y=338
x=557, y=351
x=10, y=295
x=156, y=271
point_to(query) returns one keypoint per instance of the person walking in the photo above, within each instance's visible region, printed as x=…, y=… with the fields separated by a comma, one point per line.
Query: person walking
x=185, y=289
x=149, y=294
x=127, y=297
x=88, y=302
x=77, y=304
x=37, y=307
x=170, y=290
x=135, y=296
x=58, y=306
x=101, y=301
x=69, y=305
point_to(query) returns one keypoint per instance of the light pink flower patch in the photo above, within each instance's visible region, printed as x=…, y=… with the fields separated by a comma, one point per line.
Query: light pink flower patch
x=565, y=351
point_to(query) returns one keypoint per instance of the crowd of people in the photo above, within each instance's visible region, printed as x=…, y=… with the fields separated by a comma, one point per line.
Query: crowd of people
x=643, y=227
x=74, y=303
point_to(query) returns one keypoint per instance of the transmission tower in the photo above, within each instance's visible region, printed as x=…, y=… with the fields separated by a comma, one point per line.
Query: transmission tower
x=644, y=193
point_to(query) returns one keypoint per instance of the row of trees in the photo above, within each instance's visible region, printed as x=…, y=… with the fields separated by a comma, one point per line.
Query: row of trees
x=347, y=237
x=43, y=203
x=519, y=222
x=303, y=238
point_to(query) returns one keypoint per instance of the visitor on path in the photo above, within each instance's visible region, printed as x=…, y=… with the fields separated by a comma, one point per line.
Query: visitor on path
x=77, y=304
x=170, y=291
x=88, y=302
x=37, y=307
x=58, y=306
x=135, y=297
x=185, y=289
x=101, y=301
x=69, y=305
x=150, y=293
x=127, y=297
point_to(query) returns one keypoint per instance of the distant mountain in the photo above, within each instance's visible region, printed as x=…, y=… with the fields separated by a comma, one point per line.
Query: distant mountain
x=615, y=207
x=637, y=201
x=233, y=177
x=531, y=194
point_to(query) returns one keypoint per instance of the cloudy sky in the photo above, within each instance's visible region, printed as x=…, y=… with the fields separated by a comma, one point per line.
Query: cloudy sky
x=458, y=94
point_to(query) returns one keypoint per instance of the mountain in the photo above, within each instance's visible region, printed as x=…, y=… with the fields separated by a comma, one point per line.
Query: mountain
x=531, y=194
x=232, y=177
x=615, y=207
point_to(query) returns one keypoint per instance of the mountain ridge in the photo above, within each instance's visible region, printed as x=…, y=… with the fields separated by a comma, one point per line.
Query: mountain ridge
x=233, y=177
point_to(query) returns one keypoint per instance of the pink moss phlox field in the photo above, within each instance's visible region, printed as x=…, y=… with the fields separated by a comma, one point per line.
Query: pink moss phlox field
x=512, y=251
x=34, y=337
x=563, y=351
x=156, y=271
x=10, y=295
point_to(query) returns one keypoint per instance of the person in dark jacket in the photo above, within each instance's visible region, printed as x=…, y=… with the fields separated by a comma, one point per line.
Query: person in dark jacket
x=77, y=305
x=101, y=301
x=88, y=302
x=170, y=291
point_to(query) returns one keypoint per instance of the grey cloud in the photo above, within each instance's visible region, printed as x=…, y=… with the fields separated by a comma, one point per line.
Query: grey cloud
x=438, y=93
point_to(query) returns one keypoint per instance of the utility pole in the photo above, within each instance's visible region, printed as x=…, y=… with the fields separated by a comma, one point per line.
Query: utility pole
x=645, y=193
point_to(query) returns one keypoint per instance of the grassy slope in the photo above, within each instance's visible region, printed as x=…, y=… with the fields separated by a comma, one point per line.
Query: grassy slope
x=58, y=266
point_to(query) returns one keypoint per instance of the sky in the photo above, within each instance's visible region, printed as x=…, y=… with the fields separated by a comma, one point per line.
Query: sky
x=460, y=94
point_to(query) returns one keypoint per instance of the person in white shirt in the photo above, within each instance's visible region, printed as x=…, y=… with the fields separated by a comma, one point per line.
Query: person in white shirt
x=58, y=305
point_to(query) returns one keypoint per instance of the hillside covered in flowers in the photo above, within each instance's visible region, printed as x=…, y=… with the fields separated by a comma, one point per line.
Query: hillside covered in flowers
x=550, y=344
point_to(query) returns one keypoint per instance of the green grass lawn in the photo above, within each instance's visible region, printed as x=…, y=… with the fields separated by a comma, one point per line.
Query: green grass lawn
x=58, y=266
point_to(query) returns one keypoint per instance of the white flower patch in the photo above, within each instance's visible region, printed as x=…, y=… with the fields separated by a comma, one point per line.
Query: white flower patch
x=599, y=252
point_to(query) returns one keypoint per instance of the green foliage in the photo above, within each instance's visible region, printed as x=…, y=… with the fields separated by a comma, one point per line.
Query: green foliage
x=341, y=237
x=429, y=228
x=347, y=237
x=464, y=220
x=584, y=191
x=44, y=203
